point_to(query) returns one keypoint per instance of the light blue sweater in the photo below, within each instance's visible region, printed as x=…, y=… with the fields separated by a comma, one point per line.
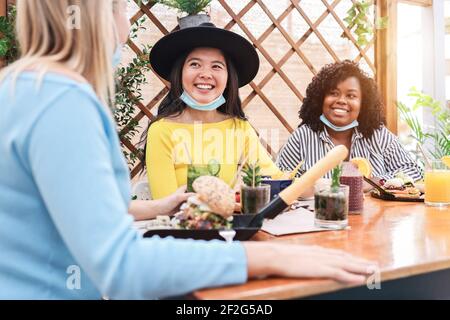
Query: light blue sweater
x=64, y=194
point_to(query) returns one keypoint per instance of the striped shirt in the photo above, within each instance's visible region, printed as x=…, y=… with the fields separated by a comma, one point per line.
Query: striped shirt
x=383, y=151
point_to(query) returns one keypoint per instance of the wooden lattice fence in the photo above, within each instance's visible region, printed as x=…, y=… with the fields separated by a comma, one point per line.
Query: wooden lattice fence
x=294, y=39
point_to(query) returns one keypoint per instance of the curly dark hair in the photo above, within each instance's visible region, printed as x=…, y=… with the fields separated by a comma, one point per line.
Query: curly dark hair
x=371, y=116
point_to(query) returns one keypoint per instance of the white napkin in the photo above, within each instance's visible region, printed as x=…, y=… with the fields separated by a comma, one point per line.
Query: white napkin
x=295, y=221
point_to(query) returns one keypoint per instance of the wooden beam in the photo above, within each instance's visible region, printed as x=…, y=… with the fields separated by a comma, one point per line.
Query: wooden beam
x=386, y=60
x=3, y=4
x=423, y=3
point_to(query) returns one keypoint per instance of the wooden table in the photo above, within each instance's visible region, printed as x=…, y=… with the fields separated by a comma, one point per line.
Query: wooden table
x=409, y=240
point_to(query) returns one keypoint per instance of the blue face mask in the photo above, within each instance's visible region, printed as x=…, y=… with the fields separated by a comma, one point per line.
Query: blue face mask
x=352, y=125
x=117, y=57
x=186, y=98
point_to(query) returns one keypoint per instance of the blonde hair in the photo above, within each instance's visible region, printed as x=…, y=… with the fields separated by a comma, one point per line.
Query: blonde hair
x=73, y=33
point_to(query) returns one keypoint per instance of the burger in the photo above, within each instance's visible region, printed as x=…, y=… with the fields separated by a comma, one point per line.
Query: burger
x=401, y=186
x=211, y=208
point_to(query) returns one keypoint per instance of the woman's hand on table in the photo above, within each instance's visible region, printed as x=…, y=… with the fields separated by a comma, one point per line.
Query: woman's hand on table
x=170, y=205
x=299, y=261
x=150, y=209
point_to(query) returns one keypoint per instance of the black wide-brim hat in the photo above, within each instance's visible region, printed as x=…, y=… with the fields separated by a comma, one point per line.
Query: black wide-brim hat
x=241, y=52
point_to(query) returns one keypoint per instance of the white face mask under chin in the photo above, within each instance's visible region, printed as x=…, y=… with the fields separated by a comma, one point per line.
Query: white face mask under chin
x=192, y=103
x=327, y=122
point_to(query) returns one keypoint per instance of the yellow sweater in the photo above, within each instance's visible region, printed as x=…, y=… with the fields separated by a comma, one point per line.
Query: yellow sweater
x=224, y=141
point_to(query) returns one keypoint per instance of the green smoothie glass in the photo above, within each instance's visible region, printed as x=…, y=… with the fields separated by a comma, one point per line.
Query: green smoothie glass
x=195, y=171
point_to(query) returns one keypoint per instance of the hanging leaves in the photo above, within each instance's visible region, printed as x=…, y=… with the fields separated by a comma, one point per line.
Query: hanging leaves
x=129, y=82
x=358, y=22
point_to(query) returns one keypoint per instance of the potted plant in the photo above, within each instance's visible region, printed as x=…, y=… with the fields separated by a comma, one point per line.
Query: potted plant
x=331, y=202
x=193, y=12
x=254, y=195
x=438, y=135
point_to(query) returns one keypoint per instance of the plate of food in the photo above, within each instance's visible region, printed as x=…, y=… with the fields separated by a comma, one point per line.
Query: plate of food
x=399, y=188
x=206, y=216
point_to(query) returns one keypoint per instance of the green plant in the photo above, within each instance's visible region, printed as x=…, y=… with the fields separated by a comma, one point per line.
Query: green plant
x=8, y=43
x=252, y=176
x=130, y=79
x=439, y=134
x=191, y=7
x=335, y=178
x=358, y=19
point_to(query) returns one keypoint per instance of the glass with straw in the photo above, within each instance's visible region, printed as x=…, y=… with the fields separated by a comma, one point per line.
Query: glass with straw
x=195, y=171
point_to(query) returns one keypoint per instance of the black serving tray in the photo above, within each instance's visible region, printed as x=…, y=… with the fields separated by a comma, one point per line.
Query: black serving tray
x=378, y=195
x=245, y=225
x=244, y=220
x=241, y=224
x=242, y=234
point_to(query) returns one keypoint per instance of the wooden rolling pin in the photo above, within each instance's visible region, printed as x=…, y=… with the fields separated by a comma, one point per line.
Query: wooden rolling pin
x=307, y=180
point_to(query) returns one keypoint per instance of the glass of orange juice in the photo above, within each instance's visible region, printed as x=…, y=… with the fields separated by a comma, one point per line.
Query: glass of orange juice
x=437, y=184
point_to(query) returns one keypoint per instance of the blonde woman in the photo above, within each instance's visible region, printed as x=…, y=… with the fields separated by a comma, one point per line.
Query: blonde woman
x=64, y=185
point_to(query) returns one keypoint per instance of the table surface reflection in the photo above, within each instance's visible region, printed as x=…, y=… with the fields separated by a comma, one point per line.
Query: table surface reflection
x=405, y=238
